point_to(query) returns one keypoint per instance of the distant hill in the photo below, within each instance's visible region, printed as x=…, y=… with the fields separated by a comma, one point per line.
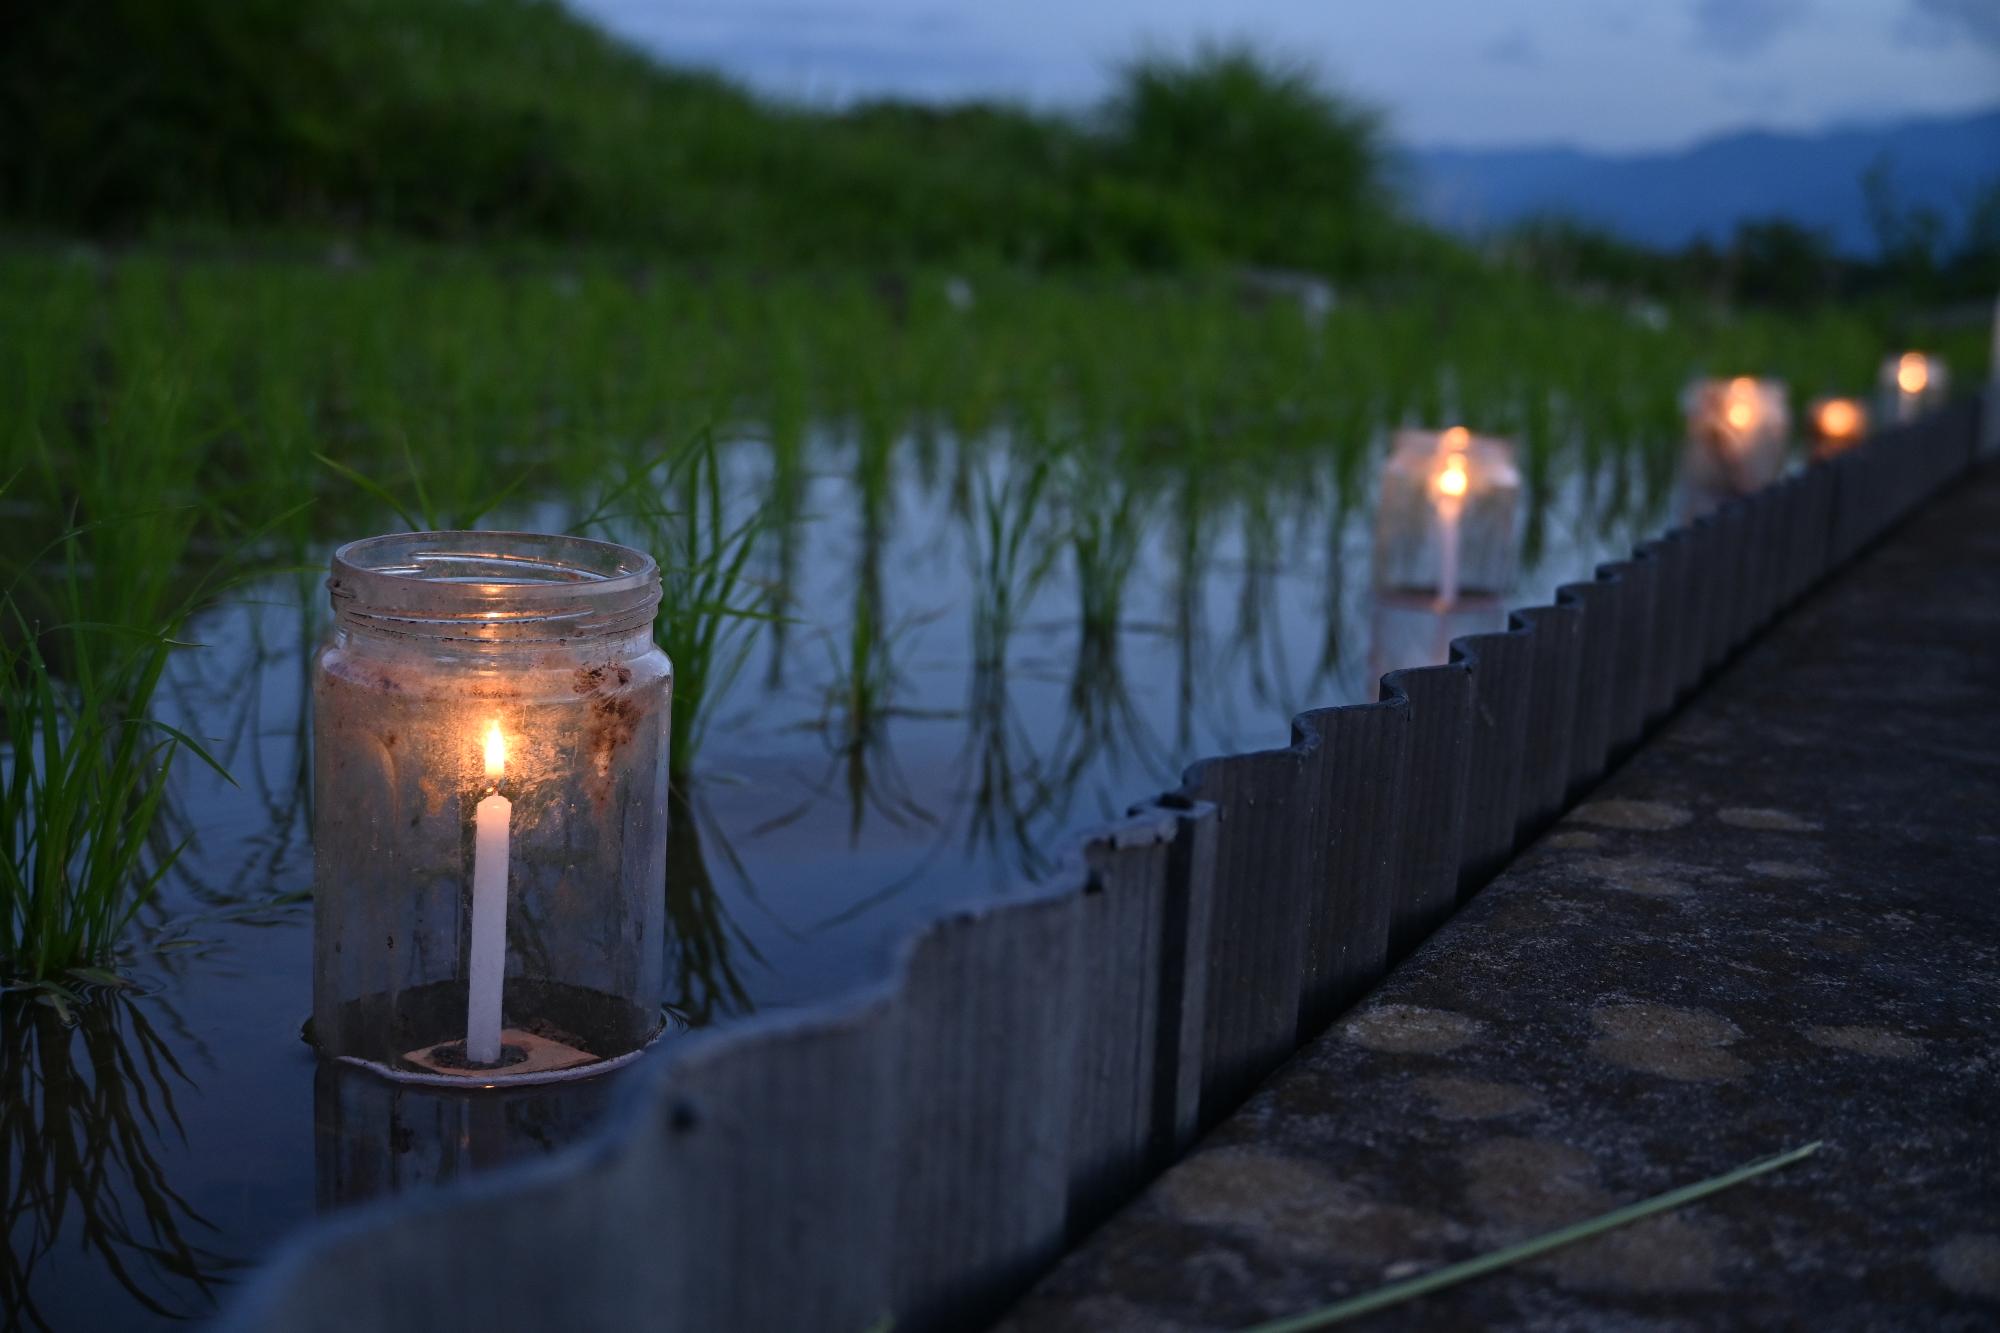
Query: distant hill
x=1671, y=199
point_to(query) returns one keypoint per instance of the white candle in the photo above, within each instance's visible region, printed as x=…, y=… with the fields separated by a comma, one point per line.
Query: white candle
x=1451, y=484
x=488, y=962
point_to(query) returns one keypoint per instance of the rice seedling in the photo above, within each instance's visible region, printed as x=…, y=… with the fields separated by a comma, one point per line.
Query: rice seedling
x=708, y=600
x=1008, y=562
x=83, y=775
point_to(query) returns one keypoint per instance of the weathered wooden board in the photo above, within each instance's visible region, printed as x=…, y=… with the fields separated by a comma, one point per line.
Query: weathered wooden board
x=1548, y=744
x=1753, y=611
x=1668, y=566
x=985, y=1084
x=685, y=1165
x=1631, y=582
x=1503, y=669
x=1366, y=749
x=1149, y=881
x=1730, y=533
x=1271, y=836
x=817, y=1212
x=1597, y=658
x=1439, y=701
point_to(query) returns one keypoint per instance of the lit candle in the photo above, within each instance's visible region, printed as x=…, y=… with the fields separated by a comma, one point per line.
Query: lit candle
x=487, y=964
x=1450, y=486
x=1838, y=424
x=1740, y=409
x=1912, y=383
x=1913, y=373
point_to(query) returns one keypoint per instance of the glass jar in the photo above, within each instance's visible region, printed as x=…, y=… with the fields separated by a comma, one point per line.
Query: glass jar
x=1445, y=524
x=1912, y=384
x=1738, y=431
x=490, y=735
x=1838, y=424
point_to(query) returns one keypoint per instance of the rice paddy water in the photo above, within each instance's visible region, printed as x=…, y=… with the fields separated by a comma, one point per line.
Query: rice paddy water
x=956, y=564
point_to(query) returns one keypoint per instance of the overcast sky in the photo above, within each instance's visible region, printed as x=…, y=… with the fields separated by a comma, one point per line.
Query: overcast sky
x=1605, y=74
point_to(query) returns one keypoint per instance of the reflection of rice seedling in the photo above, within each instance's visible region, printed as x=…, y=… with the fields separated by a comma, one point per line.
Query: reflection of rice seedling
x=1102, y=723
x=1007, y=566
x=1106, y=529
x=702, y=940
x=1189, y=626
x=1007, y=790
x=860, y=703
x=785, y=502
x=1104, y=538
x=83, y=1108
x=1258, y=637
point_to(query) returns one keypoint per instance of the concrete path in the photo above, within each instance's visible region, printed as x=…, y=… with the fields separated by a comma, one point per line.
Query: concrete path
x=1779, y=922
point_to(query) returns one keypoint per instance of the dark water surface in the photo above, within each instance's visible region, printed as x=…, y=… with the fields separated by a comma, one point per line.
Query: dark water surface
x=164, y=1145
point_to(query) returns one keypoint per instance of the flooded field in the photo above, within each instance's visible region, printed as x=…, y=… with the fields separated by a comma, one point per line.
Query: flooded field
x=974, y=663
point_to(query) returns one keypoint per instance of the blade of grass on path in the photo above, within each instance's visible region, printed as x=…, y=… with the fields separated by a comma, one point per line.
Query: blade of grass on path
x=1452, y=1274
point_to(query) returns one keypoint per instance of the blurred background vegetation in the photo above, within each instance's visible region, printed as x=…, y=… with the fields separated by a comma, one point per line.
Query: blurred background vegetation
x=513, y=119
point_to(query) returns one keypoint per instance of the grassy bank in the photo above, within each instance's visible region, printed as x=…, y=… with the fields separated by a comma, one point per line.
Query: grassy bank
x=507, y=118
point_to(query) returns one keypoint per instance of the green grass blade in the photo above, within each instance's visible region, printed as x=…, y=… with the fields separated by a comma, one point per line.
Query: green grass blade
x=1453, y=1274
x=376, y=489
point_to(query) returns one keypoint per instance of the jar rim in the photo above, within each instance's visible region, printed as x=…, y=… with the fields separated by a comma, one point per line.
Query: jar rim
x=496, y=585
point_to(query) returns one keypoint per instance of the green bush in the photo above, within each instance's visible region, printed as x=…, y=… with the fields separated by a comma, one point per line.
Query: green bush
x=497, y=118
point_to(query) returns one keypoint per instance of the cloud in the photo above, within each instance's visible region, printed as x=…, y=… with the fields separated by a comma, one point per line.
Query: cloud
x=1743, y=28
x=1514, y=47
x=1758, y=98
x=1943, y=22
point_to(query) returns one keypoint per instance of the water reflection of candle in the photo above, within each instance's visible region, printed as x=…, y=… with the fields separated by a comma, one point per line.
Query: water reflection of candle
x=1451, y=484
x=487, y=964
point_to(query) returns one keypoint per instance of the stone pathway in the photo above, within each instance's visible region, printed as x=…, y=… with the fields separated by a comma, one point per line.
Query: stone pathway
x=1779, y=922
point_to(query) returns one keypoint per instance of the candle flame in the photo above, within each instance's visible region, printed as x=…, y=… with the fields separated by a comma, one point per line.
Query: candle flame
x=1839, y=419
x=1453, y=480
x=1913, y=372
x=496, y=750
x=1739, y=414
x=1456, y=440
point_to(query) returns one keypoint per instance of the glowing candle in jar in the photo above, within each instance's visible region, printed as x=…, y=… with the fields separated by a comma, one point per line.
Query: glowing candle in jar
x=1912, y=383
x=1838, y=424
x=1740, y=407
x=487, y=963
x=1450, y=486
x=1913, y=373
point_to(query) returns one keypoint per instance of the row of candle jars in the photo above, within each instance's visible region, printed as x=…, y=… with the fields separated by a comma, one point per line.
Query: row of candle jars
x=1738, y=428
x=490, y=804
x=491, y=747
